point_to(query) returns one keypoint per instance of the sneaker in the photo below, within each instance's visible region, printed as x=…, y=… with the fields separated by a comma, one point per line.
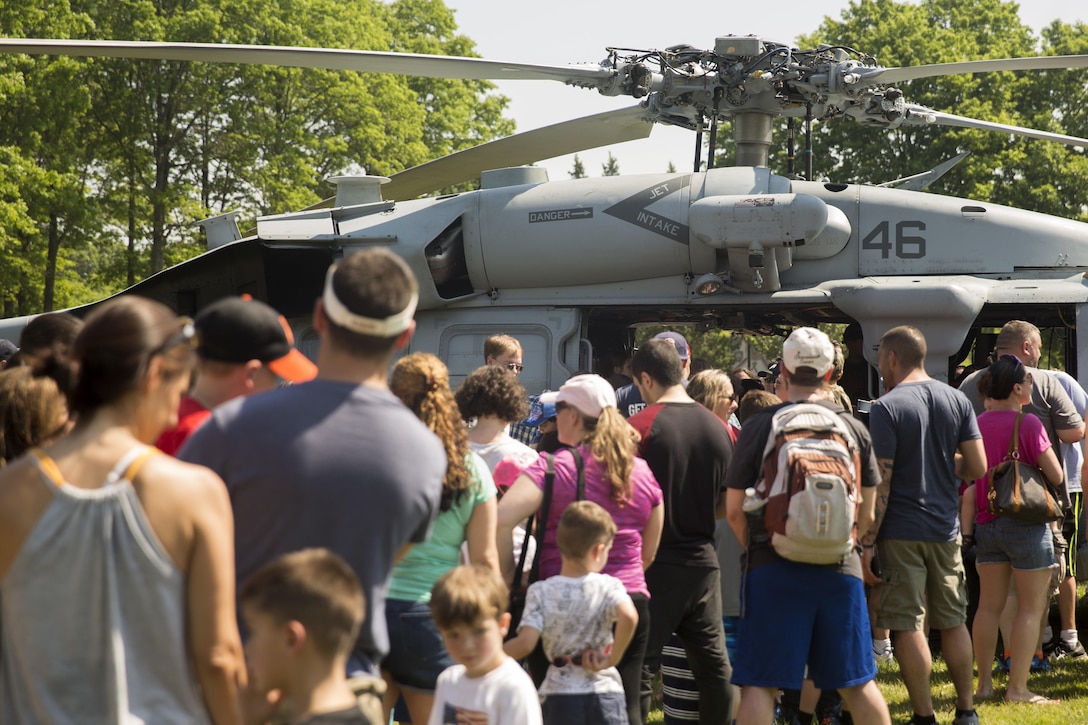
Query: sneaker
x=884, y=653
x=1060, y=650
x=784, y=716
x=1040, y=664
x=971, y=719
x=1002, y=665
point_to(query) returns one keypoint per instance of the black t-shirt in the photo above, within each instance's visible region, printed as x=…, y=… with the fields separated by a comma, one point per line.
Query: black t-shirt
x=746, y=470
x=688, y=449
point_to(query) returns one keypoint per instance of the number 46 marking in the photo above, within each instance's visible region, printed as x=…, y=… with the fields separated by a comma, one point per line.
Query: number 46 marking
x=907, y=246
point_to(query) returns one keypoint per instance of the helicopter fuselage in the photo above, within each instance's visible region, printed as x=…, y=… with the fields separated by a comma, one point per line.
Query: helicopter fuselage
x=561, y=264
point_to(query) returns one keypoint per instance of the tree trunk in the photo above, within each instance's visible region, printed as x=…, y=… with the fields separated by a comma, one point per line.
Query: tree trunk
x=49, y=288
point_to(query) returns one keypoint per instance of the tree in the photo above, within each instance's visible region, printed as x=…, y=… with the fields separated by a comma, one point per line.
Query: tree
x=579, y=170
x=131, y=153
x=610, y=167
x=42, y=108
x=1002, y=169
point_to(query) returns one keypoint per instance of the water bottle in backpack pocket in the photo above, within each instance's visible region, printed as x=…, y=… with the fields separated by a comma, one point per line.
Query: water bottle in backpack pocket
x=811, y=482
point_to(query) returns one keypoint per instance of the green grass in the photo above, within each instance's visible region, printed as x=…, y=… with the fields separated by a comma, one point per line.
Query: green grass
x=1066, y=682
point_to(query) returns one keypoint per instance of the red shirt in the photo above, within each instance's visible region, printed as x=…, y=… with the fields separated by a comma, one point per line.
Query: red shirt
x=191, y=415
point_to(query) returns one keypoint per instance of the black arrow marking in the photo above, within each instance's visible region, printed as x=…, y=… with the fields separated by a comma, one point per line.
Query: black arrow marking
x=633, y=210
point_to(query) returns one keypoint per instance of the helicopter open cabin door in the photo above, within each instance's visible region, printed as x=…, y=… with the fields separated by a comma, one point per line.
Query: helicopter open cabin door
x=552, y=346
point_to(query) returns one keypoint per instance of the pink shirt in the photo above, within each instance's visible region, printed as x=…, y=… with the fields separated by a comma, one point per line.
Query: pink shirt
x=996, y=427
x=625, y=559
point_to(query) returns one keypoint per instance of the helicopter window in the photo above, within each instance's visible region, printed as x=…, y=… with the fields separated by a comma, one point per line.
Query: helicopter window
x=446, y=262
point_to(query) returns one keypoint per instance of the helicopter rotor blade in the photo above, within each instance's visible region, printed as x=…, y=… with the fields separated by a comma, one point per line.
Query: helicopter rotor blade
x=432, y=66
x=922, y=116
x=580, y=134
x=897, y=75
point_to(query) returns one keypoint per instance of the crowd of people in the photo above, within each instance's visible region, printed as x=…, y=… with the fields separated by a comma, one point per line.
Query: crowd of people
x=171, y=488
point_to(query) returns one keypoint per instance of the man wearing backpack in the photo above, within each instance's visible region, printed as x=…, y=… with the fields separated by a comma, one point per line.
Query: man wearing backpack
x=926, y=440
x=810, y=615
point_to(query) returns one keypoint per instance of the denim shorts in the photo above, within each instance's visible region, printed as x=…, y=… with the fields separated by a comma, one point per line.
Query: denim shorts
x=417, y=655
x=1024, y=546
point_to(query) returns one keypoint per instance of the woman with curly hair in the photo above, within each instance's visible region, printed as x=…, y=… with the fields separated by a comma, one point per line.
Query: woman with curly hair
x=493, y=397
x=417, y=655
x=616, y=479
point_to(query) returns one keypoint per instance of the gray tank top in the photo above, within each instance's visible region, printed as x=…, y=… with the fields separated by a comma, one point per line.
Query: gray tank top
x=93, y=613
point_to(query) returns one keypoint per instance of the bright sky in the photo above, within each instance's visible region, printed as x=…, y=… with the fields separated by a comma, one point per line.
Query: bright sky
x=559, y=32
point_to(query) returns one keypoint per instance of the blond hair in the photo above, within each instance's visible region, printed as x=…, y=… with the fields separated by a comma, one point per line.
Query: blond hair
x=468, y=595
x=613, y=443
x=497, y=345
x=710, y=387
x=582, y=526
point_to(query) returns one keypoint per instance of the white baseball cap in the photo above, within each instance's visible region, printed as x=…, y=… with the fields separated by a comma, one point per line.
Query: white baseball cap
x=590, y=394
x=808, y=347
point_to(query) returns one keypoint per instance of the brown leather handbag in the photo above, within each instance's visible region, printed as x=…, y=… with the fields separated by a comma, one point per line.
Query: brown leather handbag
x=1019, y=490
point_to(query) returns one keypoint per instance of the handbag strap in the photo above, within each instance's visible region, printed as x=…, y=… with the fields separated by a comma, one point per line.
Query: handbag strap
x=1013, y=452
x=581, y=466
x=542, y=514
x=546, y=505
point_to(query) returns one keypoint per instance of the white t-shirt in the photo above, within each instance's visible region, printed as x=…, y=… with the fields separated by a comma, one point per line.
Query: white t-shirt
x=505, y=696
x=500, y=448
x=1072, y=453
x=574, y=614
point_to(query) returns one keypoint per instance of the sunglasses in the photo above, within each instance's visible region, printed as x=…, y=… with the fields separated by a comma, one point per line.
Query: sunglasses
x=564, y=661
x=187, y=334
x=515, y=368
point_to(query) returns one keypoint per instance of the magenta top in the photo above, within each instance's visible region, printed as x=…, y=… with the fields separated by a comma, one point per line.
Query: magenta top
x=625, y=559
x=996, y=427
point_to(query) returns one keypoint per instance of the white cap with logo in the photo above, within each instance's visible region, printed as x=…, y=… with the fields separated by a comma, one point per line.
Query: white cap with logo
x=808, y=347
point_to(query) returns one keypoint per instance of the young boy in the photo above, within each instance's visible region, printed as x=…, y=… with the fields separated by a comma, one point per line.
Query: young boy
x=485, y=687
x=574, y=612
x=303, y=612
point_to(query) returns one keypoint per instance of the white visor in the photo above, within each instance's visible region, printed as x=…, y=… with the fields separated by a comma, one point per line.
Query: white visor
x=342, y=316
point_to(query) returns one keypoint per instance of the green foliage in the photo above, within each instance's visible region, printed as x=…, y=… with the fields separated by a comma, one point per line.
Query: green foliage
x=123, y=156
x=1038, y=175
x=579, y=169
x=611, y=167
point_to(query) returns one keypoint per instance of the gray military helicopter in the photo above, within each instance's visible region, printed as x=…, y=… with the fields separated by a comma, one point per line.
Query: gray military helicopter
x=571, y=267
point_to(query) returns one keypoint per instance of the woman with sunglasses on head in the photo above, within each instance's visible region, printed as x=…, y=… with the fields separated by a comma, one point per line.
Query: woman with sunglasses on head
x=117, y=563
x=616, y=479
x=1005, y=547
x=417, y=654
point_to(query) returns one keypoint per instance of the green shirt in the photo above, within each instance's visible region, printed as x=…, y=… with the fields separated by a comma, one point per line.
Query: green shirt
x=417, y=572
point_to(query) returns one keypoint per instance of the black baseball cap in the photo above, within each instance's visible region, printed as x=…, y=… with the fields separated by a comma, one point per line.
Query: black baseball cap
x=240, y=329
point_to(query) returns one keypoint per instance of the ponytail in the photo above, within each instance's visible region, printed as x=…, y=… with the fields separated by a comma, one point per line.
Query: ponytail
x=613, y=443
